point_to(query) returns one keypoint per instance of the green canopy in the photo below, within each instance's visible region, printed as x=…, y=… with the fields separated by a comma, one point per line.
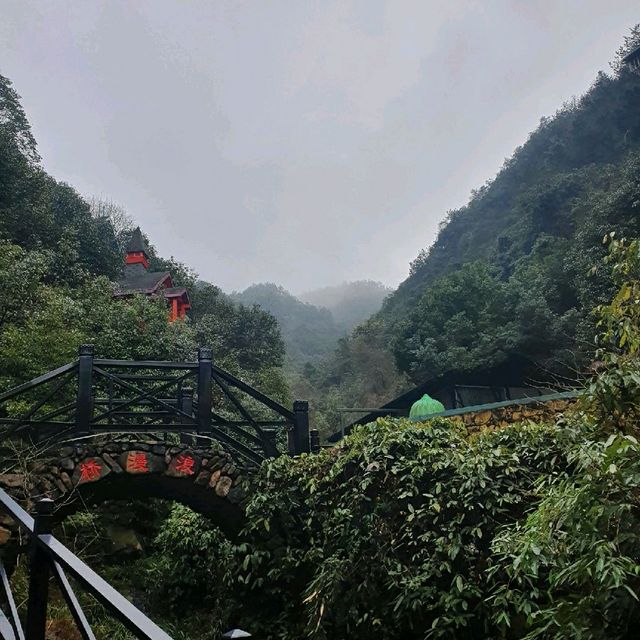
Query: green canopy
x=425, y=407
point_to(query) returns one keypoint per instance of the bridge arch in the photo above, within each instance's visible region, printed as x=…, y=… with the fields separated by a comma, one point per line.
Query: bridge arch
x=74, y=475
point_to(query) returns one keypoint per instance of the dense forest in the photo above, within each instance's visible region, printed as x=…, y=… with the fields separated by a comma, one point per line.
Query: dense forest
x=310, y=333
x=404, y=529
x=514, y=273
x=313, y=322
x=60, y=255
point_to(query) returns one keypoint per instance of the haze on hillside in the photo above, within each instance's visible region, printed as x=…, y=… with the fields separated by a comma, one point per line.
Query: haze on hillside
x=300, y=143
x=312, y=323
x=350, y=303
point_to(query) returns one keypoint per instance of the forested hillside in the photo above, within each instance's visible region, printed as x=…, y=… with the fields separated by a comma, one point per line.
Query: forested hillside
x=404, y=529
x=313, y=323
x=513, y=273
x=59, y=257
x=309, y=332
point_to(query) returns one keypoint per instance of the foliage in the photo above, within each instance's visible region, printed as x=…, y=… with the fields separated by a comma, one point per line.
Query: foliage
x=525, y=244
x=631, y=42
x=615, y=393
x=310, y=332
x=422, y=530
x=464, y=318
x=404, y=530
x=59, y=256
x=187, y=572
x=571, y=570
x=389, y=535
x=361, y=373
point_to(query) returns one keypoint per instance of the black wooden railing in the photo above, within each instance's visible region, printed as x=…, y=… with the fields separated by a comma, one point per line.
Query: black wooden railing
x=196, y=399
x=49, y=557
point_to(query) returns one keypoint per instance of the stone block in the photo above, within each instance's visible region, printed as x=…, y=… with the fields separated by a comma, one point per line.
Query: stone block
x=90, y=470
x=203, y=478
x=66, y=481
x=12, y=480
x=223, y=486
x=215, y=476
x=138, y=462
x=183, y=465
x=482, y=417
x=113, y=465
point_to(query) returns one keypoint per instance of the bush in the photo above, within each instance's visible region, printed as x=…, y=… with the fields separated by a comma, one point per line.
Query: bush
x=390, y=534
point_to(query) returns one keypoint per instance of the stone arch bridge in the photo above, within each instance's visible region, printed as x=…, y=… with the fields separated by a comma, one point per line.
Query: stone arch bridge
x=208, y=480
x=98, y=429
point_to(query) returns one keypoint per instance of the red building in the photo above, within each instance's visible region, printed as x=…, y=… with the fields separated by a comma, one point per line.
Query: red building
x=137, y=278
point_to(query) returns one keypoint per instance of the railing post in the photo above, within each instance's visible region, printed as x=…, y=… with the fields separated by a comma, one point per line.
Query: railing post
x=301, y=426
x=186, y=406
x=205, y=363
x=39, y=574
x=84, y=406
x=291, y=440
x=315, y=441
x=271, y=436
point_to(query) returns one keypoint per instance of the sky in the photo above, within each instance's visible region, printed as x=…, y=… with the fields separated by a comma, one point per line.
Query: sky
x=300, y=142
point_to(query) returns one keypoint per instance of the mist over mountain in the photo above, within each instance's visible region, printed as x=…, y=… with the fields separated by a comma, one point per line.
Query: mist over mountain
x=194, y=502
x=350, y=303
x=312, y=323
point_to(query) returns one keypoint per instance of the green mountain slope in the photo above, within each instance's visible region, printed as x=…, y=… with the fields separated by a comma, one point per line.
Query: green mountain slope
x=535, y=192
x=59, y=258
x=508, y=272
x=511, y=276
x=309, y=332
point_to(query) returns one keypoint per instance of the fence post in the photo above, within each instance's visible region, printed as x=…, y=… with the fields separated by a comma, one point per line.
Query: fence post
x=301, y=426
x=39, y=574
x=186, y=406
x=291, y=439
x=84, y=402
x=271, y=435
x=315, y=441
x=205, y=362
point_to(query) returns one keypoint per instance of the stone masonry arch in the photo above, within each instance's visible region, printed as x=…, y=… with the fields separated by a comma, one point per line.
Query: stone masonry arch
x=79, y=474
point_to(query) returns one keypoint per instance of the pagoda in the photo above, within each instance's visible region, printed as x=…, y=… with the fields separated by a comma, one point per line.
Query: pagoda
x=137, y=279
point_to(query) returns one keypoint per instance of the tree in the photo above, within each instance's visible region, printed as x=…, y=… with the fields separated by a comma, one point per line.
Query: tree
x=14, y=123
x=631, y=42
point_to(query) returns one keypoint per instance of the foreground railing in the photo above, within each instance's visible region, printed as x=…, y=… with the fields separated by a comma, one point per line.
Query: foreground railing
x=50, y=557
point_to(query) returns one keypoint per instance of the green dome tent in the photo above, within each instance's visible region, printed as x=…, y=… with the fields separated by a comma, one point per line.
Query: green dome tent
x=425, y=407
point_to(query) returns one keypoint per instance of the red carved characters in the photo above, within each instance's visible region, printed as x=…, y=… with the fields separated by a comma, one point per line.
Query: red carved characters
x=137, y=462
x=185, y=464
x=90, y=470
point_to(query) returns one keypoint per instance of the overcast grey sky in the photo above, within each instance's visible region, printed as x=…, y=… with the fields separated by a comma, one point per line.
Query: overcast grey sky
x=300, y=142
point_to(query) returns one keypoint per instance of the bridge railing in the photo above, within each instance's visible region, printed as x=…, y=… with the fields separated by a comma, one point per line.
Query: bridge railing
x=49, y=557
x=94, y=395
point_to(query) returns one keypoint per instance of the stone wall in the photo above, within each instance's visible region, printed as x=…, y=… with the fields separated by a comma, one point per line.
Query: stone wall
x=502, y=416
x=201, y=478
